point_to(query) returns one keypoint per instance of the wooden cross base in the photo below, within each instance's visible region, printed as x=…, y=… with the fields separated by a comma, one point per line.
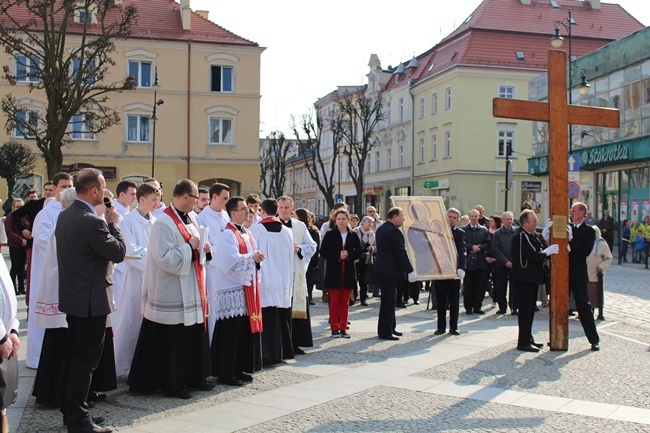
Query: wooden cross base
x=559, y=115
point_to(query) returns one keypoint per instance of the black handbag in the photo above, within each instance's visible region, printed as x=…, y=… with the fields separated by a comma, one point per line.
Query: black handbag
x=8, y=381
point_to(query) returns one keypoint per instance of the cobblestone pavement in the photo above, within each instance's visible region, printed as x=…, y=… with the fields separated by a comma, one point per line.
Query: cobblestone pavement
x=475, y=382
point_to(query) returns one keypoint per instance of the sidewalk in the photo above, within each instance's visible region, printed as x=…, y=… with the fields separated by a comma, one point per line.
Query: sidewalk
x=474, y=382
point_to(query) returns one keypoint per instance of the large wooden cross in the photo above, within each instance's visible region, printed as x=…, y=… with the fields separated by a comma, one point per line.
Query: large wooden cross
x=559, y=115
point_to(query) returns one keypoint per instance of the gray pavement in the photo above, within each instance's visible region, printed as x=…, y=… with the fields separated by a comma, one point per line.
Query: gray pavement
x=474, y=382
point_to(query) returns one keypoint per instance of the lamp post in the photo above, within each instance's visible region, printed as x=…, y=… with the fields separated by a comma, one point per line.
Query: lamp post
x=156, y=103
x=556, y=42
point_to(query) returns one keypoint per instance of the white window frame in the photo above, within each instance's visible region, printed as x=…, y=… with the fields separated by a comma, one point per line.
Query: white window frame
x=434, y=103
x=422, y=108
x=448, y=143
x=448, y=98
x=140, y=57
x=401, y=110
x=377, y=161
x=400, y=156
x=74, y=68
x=506, y=91
x=29, y=75
x=222, y=113
x=84, y=135
x=505, y=132
x=222, y=60
x=421, y=142
x=29, y=113
x=138, y=116
x=91, y=12
x=389, y=157
x=434, y=146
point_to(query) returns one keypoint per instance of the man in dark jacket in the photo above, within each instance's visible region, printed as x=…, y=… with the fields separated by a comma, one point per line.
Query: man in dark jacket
x=447, y=291
x=477, y=244
x=501, y=241
x=607, y=225
x=528, y=257
x=391, y=263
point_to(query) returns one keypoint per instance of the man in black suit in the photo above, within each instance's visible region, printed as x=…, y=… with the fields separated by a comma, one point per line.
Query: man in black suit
x=391, y=263
x=86, y=246
x=581, y=241
x=447, y=291
x=477, y=244
x=526, y=274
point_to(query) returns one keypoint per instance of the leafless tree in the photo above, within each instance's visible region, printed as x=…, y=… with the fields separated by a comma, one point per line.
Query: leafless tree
x=62, y=49
x=273, y=164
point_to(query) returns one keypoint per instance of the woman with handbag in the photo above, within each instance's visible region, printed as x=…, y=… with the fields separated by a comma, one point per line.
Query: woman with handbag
x=365, y=264
x=340, y=248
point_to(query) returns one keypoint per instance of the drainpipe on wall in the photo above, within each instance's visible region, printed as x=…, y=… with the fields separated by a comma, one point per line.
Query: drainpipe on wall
x=412, y=137
x=189, y=105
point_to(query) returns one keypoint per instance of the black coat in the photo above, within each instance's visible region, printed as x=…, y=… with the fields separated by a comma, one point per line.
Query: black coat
x=459, y=240
x=581, y=245
x=391, y=258
x=527, y=258
x=478, y=236
x=330, y=250
x=85, y=245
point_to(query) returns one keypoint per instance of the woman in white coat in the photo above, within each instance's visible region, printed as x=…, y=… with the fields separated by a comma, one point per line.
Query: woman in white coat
x=597, y=262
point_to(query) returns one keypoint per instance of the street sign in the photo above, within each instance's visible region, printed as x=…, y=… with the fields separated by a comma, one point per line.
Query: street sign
x=574, y=169
x=338, y=198
x=574, y=190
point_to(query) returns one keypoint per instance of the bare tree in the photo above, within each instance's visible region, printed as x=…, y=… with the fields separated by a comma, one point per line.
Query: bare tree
x=16, y=162
x=360, y=113
x=62, y=49
x=318, y=161
x=273, y=164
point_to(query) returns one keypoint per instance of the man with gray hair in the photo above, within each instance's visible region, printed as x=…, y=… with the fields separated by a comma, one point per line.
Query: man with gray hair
x=501, y=243
x=371, y=211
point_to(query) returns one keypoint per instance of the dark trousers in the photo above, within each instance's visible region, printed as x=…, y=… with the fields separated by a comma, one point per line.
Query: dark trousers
x=361, y=278
x=585, y=312
x=501, y=280
x=622, y=257
x=386, y=324
x=406, y=290
x=527, y=297
x=447, y=292
x=610, y=241
x=309, y=276
x=85, y=347
x=474, y=290
x=18, y=257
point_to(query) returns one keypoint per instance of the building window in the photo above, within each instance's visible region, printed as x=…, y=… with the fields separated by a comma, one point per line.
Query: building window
x=91, y=69
x=401, y=110
x=434, y=104
x=81, y=128
x=220, y=78
x=377, y=160
x=389, y=157
x=507, y=92
x=367, y=170
x=388, y=113
x=448, y=98
x=141, y=71
x=138, y=128
x=220, y=130
x=447, y=144
x=421, y=108
x=85, y=17
x=505, y=138
x=25, y=120
x=401, y=156
x=26, y=69
x=434, y=147
x=421, y=159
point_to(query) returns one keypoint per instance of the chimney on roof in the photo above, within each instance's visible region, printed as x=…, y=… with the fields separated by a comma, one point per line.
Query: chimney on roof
x=203, y=14
x=595, y=4
x=525, y=2
x=186, y=15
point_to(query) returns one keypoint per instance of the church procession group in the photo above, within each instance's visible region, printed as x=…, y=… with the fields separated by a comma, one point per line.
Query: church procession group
x=218, y=286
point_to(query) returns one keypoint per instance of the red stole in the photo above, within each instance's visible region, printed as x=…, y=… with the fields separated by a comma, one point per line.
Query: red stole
x=270, y=219
x=253, y=297
x=200, y=277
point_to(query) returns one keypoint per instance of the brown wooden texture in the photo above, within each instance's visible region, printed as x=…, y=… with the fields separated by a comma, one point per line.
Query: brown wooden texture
x=560, y=116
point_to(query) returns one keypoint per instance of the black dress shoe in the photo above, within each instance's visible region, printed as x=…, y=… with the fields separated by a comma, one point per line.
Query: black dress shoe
x=298, y=351
x=96, y=396
x=95, y=420
x=208, y=386
x=183, y=394
x=89, y=428
x=388, y=337
x=245, y=377
x=479, y=312
x=439, y=332
x=469, y=313
x=538, y=345
x=529, y=348
x=397, y=333
x=363, y=304
x=416, y=302
x=454, y=332
x=401, y=305
x=231, y=381
x=501, y=312
x=595, y=347
x=312, y=303
x=515, y=313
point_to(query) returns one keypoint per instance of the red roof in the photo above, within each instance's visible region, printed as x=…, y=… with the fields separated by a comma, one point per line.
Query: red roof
x=498, y=28
x=160, y=19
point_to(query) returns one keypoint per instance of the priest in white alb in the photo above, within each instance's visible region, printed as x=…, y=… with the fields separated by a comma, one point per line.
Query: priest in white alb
x=236, y=344
x=276, y=283
x=124, y=198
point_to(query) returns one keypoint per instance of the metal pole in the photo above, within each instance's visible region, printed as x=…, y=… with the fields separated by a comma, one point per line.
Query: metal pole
x=570, y=82
x=153, y=145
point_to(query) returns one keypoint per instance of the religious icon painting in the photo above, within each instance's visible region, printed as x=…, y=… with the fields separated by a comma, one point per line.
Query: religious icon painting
x=429, y=241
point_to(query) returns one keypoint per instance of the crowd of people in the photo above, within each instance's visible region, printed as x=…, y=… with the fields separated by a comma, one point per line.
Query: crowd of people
x=218, y=286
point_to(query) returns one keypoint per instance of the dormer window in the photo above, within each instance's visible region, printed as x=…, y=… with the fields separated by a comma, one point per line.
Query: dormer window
x=85, y=15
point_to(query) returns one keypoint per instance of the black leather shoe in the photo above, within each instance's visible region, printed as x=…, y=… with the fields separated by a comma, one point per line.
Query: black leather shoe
x=96, y=396
x=454, y=332
x=208, y=386
x=95, y=420
x=231, y=381
x=401, y=305
x=90, y=428
x=595, y=347
x=538, y=345
x=245, y=377
x=183, y=394
x=515, y=313
x=397, y=333
x=416, y=302
x=469, y=313
x=388, y=337
x=298, y=351
x=529, y=348
x=480, y=312
x=439, y=332
x=363, y=304
x=501, y=312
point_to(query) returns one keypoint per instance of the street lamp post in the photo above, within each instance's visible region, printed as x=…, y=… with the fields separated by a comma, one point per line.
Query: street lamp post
x=556, y=42
x=156, y=103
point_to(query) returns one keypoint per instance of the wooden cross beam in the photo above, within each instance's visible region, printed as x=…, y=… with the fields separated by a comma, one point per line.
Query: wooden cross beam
x=559, y=115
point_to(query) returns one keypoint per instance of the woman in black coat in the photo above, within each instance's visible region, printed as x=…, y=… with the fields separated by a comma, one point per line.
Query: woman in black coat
x=340, y=248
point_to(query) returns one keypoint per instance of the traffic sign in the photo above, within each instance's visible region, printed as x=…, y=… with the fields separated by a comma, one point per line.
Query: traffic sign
x=574, y=190
x=574, y=164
